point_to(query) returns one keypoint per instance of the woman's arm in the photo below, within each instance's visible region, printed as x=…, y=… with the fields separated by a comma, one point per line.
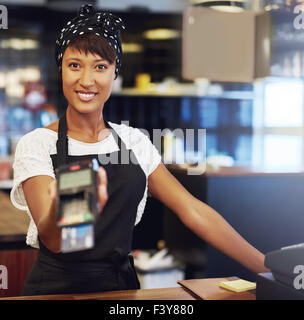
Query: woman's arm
x=203, y=220
x=40, y=194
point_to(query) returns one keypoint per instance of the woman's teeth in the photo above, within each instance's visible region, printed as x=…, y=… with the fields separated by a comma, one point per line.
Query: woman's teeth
x=86, y=96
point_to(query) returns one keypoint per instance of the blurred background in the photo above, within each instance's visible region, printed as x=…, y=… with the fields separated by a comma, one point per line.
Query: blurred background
x=234, y=68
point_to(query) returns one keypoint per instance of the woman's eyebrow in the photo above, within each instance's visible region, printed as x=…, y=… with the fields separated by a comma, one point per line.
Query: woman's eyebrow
x=96, y=60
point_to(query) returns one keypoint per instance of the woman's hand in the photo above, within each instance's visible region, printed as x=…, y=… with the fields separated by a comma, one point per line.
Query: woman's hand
x=101, y=189
x=40, y=194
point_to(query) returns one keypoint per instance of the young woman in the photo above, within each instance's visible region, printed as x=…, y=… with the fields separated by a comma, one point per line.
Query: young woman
x=88, y=54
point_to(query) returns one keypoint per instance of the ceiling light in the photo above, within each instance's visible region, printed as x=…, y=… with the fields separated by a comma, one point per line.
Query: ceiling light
x=271, y=7
x=130, y=47
x=225, y=5
x=19, y=44
x=161, y=34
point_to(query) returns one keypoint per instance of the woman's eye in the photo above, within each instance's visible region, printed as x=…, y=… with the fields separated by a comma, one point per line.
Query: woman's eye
x=101, y=66
x=73, y=64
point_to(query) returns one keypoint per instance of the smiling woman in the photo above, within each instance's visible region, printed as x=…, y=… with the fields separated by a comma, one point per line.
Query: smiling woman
x=88, y=55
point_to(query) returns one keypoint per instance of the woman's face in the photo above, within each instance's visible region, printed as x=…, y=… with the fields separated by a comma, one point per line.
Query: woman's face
x=86, y=80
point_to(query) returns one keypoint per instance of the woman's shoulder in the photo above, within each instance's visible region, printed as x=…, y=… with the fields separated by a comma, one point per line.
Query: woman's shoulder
x=132, y=136
x=36, y=135
x=36, y=139
x=53, y=126
x=139, y=141
x=42, y=133
x=125, y=129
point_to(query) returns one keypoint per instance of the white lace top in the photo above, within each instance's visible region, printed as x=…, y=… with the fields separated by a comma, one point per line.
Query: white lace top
x=32, y=158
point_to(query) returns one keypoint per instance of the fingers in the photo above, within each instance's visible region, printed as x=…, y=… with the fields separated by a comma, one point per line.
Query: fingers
x=102, y=188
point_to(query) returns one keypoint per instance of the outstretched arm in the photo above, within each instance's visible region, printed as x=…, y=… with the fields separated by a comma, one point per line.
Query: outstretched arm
x=40, y=193
x=203, y=220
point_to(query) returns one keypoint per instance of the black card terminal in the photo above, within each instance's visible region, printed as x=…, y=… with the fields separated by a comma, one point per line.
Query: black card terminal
x=77, y=204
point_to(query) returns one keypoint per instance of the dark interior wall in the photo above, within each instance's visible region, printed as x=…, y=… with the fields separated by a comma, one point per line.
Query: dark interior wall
x=266, y=210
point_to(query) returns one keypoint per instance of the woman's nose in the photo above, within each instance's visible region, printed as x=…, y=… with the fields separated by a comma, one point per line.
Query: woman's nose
x=87, y=78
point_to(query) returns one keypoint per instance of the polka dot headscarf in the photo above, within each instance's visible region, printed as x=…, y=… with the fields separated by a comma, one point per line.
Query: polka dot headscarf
x=89, y=20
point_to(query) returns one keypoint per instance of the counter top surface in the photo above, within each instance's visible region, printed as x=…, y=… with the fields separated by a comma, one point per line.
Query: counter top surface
x=176, y=293
x=208, y=290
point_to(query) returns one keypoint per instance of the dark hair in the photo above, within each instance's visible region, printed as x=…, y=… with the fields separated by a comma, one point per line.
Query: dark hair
x=94, y=44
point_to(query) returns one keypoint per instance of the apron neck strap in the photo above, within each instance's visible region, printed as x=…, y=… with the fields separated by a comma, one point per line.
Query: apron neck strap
x=62, y=142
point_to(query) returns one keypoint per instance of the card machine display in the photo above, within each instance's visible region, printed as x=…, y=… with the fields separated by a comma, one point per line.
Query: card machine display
x=77, y=204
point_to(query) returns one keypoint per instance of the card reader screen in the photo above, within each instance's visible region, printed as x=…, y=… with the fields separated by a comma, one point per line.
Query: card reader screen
x=75, y=179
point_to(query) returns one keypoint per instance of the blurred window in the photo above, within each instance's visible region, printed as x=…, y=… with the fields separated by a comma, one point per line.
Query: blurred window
x=278, y=124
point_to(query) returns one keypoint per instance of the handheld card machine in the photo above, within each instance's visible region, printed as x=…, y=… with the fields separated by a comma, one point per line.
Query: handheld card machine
x=77, y=204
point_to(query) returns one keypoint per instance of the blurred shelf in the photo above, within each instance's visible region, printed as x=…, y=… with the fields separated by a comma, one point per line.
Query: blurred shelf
x=235, y=95
x=222, y=171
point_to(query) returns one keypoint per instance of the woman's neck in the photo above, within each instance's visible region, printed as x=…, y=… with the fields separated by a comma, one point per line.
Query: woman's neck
x=86, y=127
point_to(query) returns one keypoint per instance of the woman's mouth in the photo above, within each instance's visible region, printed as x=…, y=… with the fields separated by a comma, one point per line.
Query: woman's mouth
x=86, y=96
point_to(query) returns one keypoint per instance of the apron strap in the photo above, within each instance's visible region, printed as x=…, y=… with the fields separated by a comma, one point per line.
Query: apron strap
x=62, y=142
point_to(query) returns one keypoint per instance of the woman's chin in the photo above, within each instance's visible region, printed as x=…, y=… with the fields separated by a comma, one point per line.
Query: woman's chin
x=86, y=109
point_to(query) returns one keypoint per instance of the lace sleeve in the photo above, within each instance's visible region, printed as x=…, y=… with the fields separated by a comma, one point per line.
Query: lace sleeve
x=31, y=159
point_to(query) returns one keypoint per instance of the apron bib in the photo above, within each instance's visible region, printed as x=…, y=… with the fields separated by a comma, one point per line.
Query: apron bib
x=108, y=265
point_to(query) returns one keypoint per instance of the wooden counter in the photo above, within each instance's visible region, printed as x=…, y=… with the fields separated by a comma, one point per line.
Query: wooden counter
x=206, y=289
x=177, y=293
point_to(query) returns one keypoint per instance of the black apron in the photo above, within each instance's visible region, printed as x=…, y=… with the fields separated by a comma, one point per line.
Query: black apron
x=108, y=266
